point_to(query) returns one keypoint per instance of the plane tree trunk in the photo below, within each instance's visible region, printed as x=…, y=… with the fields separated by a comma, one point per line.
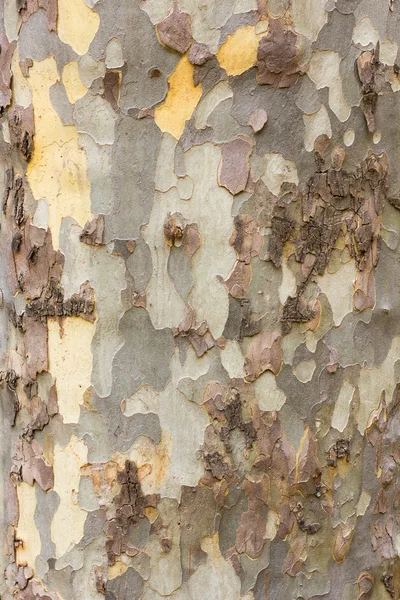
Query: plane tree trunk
x=200, y=299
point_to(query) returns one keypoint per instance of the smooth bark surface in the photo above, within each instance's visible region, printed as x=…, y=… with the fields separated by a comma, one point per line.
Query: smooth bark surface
x=200, y=299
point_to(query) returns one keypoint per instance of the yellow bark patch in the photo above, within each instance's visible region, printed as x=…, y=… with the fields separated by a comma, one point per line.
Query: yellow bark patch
x=239, y=52
x=77, y=24
x=26, y=529
x=69, y=519
x=182, y=98
x=58, y=168
x=72, y=82
x=117, y=569
x=70, y=362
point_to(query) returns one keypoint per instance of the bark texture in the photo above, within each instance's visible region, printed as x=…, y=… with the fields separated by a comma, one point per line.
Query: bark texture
x=200, y=299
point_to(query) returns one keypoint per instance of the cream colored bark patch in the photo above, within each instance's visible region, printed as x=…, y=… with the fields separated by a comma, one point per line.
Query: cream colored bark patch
x=348, y=137
x=232, y=359
x=69, y=519
x=324, y=71
x=364, y=33
x=26, y=529
x=279, y=170
x=363, y=503
x=305, y=370
x=182, y=98
x=58, y=168
x=74, y=87
x=114, y=54
x=288, y=286
x=220, y=92
x=239, y=52
x=242, y=6
x=70, y=362
x=338, y=288
x=388, y=52
x=374, y=381
x=316, y=124
x=216, y=574
x=341, y=412
x=144, y=401
x=77, y=24
x=268, y=395
x=309, y=17
x=210, y=206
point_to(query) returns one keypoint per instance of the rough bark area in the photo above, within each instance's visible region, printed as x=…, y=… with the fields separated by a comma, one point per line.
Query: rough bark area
x=200, y=299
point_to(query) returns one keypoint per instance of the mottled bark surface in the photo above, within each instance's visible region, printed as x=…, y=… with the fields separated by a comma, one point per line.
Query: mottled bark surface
x=200, y=299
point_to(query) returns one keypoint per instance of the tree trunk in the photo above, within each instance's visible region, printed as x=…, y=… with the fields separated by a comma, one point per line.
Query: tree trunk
x=200, y=299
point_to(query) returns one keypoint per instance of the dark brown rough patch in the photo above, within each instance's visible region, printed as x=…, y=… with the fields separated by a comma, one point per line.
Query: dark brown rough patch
x=278, y=56
x=175, y=31
x=372, y=77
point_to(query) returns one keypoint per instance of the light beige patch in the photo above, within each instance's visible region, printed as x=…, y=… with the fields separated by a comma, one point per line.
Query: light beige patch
x=338, y=288
x=26, y=529
x=232, y=359
x=288, y=286
x=279, y=170
x=67, y=464
x=388, y=52
x=341, y=412
x=304, y=371
x=220, y=92
x=348, y=137
x=373, y=381
x=364, y=33
x=363, y=503
x=269, y=396
x=70, y=362
x=316, y=124
x=324, y=71
x=309, y=17
x=144, y=401
x=58, y=168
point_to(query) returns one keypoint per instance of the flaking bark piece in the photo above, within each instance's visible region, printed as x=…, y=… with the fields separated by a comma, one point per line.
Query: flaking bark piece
x=365, y=583
x=175, y=32
x=111, y=83
x=199, y=54
x=30, y=461
x=278, y=56
x=250, y=534
x=6, y=52
x=257, y=119
x=371, y=73
x=234, y=167
x=246, y=238
x=21, y=125
x=27, y=8
x=263, y=354
x=129, y=509
x=93, y=232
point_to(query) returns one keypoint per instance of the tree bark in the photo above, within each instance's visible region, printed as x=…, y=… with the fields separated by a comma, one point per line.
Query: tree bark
x=199, y=308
